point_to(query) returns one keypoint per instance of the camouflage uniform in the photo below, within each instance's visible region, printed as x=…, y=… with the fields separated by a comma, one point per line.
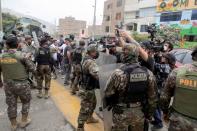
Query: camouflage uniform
x=133, y=116
x=43, y=73
x=18, y=86
x=43, y=58
x=129, y=116
x=178, y=122
x=88, y=102
x=76, y=73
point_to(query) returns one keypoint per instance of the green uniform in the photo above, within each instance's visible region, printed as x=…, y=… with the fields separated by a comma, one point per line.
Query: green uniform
x=182, y=85
x=14, y=68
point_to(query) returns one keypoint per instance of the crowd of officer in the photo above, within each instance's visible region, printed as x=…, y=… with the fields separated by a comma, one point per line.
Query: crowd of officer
x=138, y=92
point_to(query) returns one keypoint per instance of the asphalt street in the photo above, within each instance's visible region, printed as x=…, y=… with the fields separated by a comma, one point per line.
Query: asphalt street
x=44, y=114
x=58, y=113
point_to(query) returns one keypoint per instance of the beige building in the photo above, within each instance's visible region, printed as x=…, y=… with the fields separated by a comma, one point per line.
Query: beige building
x=70, y=25
x=138, y=14
x=98, y=30
x=113, y=15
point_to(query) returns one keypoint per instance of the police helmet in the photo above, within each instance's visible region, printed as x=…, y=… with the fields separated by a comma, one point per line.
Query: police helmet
x=43, y=41
x=92, y=48
x=12, y=41
x=132, y=54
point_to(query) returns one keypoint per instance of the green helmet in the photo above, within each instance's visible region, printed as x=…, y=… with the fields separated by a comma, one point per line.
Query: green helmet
x=92, y=48
x=131, y=53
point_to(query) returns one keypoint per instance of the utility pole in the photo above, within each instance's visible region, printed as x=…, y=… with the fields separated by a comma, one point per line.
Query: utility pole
x=1, y=24
x=94, y=20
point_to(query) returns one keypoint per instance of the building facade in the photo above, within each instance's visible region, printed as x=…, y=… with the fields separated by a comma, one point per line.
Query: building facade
x=97, y=31
x=70, y=25
x=138, y=14
x=182, y=14
x=113, y=15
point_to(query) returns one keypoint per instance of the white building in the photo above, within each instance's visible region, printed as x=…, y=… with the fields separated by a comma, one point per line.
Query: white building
x=138, y=14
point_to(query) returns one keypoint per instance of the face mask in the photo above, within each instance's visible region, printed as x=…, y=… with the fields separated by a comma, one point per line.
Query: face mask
x=165, y=48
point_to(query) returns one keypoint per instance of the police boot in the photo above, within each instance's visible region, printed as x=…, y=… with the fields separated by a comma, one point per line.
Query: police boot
x=40, y=94
x=13, y=124
x=92, y=120
x=25, y=121
x=46, y=95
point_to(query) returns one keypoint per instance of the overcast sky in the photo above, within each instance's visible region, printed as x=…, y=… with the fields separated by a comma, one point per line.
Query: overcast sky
x=52, y=10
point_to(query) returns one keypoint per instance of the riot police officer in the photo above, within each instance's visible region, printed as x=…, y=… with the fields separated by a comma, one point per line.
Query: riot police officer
x=89, y=84
x=182, y=85
x=77, y=57
x=43, y=59
x=131, y=93
x=14, y=66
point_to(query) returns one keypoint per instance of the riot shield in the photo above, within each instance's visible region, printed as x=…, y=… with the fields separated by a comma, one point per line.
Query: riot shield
x=105, y=59
x=105, y=72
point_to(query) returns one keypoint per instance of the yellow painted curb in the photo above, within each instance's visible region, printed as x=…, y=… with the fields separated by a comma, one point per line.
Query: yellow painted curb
x=70, y=105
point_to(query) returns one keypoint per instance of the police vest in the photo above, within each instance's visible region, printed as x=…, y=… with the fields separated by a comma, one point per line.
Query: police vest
x=137, y=83
x=43, y=57
x=77, y=55
x=12, y=67
x=88, y=81
x=185, y=98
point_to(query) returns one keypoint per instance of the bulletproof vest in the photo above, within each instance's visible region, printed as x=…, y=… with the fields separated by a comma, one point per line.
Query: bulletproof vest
x=88, y=80
x=77, y=55
x=43, y=57
x=137, y=83
x=185, y=98
x=12, y=67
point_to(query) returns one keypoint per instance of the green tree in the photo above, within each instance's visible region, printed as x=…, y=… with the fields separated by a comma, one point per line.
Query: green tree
x=9, y=22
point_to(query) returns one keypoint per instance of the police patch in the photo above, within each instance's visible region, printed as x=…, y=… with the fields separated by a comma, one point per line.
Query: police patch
x=138, y=77
x=42, y=52
x=8, y=61
x=187, y=83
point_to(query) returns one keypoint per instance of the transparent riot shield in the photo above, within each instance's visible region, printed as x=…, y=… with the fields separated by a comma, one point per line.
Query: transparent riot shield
x=105, y=59
x=105, y=72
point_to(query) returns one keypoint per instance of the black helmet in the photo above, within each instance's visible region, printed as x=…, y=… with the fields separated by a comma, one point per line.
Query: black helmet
x=43, y=41
x=12, y=41
x=146, y=45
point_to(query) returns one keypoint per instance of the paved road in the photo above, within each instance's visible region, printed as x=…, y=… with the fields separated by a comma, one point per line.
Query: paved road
x=53, y=114
x=44, y=113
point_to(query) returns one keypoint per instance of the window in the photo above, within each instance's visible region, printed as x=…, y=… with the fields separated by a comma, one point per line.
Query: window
x=118, y=16
x=147, y=12
x=194, y=15
x=172, y=16
x=107, y=29
x=107, y=18
x=137, y=14
x=129, y=27
x=119, y=3
x=143, y=28
x=109, y=6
